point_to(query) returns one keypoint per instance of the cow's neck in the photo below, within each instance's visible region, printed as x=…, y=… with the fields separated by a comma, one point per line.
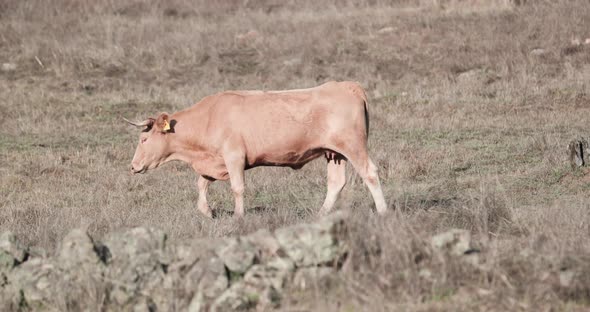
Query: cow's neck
x=186, y=144
x=187, y=153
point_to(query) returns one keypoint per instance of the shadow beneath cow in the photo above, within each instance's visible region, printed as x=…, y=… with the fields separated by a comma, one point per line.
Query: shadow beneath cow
x=222, y=213
x=262, y=210
x=257, y=210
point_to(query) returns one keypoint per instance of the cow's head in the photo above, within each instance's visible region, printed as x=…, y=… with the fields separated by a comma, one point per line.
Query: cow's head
x=153, y=147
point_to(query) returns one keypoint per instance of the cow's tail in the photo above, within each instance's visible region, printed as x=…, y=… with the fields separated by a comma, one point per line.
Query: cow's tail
x=363, y=95
x=359, y=92
x=366, y=116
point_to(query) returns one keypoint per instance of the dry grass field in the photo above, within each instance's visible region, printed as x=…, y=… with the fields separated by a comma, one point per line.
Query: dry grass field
x=472, y=104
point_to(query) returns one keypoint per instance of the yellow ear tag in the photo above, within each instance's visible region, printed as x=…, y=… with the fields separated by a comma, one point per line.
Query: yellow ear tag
x=166, y=125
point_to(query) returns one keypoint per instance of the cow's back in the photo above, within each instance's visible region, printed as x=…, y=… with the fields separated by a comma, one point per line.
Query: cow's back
x=286, y=127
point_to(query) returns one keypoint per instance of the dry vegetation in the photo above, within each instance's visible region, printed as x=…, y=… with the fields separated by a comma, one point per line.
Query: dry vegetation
x=472, y=105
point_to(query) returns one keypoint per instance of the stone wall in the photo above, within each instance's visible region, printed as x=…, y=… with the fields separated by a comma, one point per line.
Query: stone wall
x=140, y=269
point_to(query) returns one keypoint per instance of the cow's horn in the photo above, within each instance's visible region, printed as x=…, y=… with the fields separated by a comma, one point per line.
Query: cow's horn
x=144, y=123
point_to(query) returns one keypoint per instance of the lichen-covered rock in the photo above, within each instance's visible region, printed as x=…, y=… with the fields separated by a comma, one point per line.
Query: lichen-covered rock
x=135, y=270
x=33, y=285
x=135, y=241
x=244, y=296
x=77, y=249
x=211, y=278
x=236, y=298
x=37, y=252
x=203, y=277
x=137, y=267
x=305, y=278
x=455, y=241
x=72, y=279
x=238, y=255
x=272, y=274
x=314, y=244
x=208, y=278
x=197, y=303
x=80, y=269
x=265, y=242
x=11, y=251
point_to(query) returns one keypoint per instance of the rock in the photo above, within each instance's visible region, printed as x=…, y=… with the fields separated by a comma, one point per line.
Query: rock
x=75, y=272
x=477, y=77
x=266, y=244
x=12, y=252
x=566, y=277
x=7, y=261
x=197, y=303
x=77, y=249
x=236, y=298
x=307, y=277
x=243, y=296
x=320, y=243
x=8, y=67
x=32, y=284
x=238, y=255
x=136, y=267
x=206, y=280
x=187, y=255
x=456, y=242
x=200, y=269
x=37, y=252
x=578, y=152
x=136, y=270
x=134, y=242
x=538, y=52
x=273, y=274
x=145, y=304
x=261, y=287
x=425, y=273
x=472, y=257
x=385, y=30
x=292, y=62
x=80, y=269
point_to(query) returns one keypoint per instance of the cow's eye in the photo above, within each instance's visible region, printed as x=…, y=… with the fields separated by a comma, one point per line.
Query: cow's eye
x=143, y=140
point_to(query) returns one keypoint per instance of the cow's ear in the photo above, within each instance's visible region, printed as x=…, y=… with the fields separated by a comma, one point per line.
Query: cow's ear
x=162, y=123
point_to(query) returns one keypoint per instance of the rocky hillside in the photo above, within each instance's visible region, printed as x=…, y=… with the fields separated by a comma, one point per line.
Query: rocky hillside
x=140, y=270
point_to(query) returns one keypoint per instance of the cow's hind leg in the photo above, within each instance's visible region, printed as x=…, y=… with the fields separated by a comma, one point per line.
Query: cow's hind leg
x=371, y=178
x=202, y=205
x=336, y=180
x=368, y=171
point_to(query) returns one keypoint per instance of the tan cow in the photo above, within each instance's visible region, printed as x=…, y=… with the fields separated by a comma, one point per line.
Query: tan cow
x=227, y=133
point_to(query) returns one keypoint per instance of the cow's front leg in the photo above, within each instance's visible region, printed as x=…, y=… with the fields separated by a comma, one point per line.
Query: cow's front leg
x=235, y=169
x=202, y=205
